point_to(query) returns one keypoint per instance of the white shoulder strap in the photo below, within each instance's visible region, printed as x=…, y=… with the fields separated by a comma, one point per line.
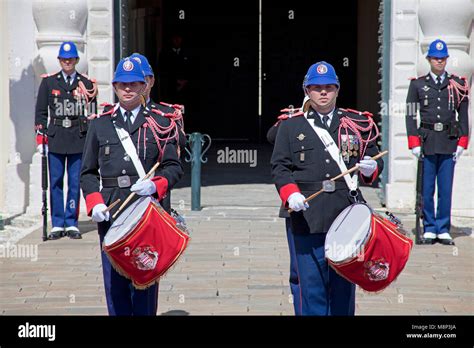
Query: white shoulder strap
x=131, y=150
x=333, y=150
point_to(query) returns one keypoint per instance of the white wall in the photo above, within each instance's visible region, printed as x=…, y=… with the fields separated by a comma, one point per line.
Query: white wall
x=20, y=123
x=27, y=52
x=4, y=100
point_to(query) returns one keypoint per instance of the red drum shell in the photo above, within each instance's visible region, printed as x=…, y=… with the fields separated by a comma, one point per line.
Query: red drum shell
x=148, y=251
x=383, y=257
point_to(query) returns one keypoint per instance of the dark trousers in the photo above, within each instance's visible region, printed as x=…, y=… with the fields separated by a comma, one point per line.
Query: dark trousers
x=61, y=216
x=294, y=281
x=122, y=297
x=323, y=291
x=437, y=169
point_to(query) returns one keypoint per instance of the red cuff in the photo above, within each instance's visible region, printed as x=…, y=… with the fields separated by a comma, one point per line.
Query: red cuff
x=39, y=139
x=463, y=141
x=367, y=180
x=286, y=191
x=92, y=200
x=161, y=184
x=413, y=141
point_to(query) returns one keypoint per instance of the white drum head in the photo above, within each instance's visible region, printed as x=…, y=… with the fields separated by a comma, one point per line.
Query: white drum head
x=348, y=233
x=127, y=221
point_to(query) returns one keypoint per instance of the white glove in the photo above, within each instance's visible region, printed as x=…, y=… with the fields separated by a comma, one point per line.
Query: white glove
x=416, y=151
x=97, y=213
x=367, y=166
x=296, y=202
x=144, y=188
x=39, y=148
x=458, y=153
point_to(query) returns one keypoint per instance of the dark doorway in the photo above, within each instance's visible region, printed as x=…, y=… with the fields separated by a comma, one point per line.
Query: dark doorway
x=296, y=35
x=221, y=48
x=222, y=44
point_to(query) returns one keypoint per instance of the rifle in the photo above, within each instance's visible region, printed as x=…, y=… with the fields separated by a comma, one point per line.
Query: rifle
x=44, y=187
x=419, y=198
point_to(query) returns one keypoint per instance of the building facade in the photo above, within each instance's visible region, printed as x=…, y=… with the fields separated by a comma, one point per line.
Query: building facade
x=30, y=34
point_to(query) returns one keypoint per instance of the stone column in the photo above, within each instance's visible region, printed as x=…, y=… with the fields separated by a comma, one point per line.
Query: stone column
x=451, y=21
x=58, y=21
x=20, y=120
x=399, y=191
x=100, y=43
x=414, y=25
x=4, y=102
x=55, y=22
x=89, y=23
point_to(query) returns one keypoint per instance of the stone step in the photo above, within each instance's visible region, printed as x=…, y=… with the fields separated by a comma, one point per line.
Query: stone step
x=19, y=227
x=25, y=221
x=6, y=218
x=7, y=233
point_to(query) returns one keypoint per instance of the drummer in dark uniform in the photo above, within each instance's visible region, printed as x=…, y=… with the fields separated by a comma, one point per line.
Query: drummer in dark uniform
x=68, y=98
x=107, y=162
x=302, y=164
x=441, y=138
x=164, y=108
x=283, y=213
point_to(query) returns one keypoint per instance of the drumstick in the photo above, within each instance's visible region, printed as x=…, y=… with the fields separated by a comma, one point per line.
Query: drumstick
x=131, y=195
x=110, y=207
x=353, y=169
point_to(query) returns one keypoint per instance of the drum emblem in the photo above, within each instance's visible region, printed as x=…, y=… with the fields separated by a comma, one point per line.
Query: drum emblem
x=377, y=270
x=145, y=259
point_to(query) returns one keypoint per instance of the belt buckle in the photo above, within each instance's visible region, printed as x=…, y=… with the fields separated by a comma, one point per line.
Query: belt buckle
x=67, y=123
x=329, y=186
x=438, y=127
x=124, y=181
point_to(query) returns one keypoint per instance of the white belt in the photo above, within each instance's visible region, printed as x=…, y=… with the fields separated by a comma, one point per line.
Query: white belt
x=131, y=150
x=328, y=142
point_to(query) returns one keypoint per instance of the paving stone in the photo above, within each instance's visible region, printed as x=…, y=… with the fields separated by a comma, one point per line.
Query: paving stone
x=236, y=264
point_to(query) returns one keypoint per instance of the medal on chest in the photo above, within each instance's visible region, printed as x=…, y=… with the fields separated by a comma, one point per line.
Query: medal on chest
x=349, y=147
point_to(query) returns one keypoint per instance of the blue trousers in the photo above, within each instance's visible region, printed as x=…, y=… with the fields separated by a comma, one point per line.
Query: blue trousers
x=323, y=291
x=437, y=169
x=122, y=298
x=294, y=281
x=57, y=164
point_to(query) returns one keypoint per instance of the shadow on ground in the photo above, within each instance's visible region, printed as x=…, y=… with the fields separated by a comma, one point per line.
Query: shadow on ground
x=87, y=226
x=176, y=312
x=460, y=231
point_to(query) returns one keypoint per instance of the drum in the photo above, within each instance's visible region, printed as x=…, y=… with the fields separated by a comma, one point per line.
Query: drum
x=365, y=248
x=144, y=242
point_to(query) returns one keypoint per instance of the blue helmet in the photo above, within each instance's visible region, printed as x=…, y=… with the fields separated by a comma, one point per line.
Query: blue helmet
x=147, y=69
x=128, y=70
x=321, y=73
x=438, y=49
x=68, y=50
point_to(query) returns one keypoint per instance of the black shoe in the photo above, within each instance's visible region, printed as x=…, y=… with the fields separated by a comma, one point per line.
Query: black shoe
x=446, y=241
x=55, y=235
x=73, y=233
x=428, y=241
x=428, y=238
